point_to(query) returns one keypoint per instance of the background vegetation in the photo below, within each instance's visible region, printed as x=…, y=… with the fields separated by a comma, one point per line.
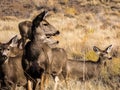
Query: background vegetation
x=82, y=23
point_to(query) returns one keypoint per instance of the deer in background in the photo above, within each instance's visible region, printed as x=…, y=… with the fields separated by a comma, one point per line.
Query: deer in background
x=25, y=29
x=84, y=70
x=11, y=65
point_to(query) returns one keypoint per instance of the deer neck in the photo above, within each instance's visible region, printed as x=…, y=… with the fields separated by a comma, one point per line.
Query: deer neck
x=38, y=38
x=100, y=61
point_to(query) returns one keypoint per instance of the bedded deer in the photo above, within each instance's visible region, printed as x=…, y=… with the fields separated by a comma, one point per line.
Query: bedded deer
x=11, y=65
x=38, y=56
x=88, y=69
x=25, y=29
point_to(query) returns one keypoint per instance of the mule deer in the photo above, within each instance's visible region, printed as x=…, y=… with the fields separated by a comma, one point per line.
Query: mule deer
x=39, y=54
x=25, y=29
x=11, y=65
x=88, y=69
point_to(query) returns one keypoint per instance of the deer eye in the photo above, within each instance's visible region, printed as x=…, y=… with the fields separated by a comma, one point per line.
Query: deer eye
x=8, y=49
x=45, y=24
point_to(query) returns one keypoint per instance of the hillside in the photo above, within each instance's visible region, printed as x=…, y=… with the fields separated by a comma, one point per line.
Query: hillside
x=23, y=8
x=82, y=25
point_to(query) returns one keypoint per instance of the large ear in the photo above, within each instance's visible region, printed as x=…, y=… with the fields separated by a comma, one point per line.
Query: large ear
x=13, y=42
x=109, y=48
x=39, y=18
x=96, y=49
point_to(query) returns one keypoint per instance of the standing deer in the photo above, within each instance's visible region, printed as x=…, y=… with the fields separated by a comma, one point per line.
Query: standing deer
x=11, y=65
x=39, y=57
x=25, y=29
x=88, y=69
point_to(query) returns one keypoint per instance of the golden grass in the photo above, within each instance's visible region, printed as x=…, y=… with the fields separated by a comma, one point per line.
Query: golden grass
x=9, y=28
x=78, y=36
x=77, y=85
x=70, y=10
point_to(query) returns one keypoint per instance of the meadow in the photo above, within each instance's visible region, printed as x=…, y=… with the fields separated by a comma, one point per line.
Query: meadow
x=78, y=34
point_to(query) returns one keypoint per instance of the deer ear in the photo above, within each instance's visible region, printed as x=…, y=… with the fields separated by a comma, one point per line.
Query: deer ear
x=96, y=49
x=13, y=42
x=109, y=48
x=39, y=18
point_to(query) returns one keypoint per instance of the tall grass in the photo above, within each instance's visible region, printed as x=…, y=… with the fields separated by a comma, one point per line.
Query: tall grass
x=78, y=36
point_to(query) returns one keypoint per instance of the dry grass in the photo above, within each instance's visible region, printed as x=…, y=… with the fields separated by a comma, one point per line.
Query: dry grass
x=9, y=27
x=78, y=35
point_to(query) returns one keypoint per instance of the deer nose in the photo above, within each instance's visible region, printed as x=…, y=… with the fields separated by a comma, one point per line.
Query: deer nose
x=57, y=42
x=57, y=33
x=110, y=58
x=5, y=57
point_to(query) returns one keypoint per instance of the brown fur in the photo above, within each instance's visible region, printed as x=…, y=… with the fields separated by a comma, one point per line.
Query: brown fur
x=39, y=56
x=11, y=67
x=83, y=70
x=25, y=30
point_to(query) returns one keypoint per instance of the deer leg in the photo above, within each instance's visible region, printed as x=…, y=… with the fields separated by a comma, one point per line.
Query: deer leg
x=56, y=82
x=15, y=87
x=29, y=85
x=36, y=86
x=42, y=82
x=46, y=80
x=65, y=76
